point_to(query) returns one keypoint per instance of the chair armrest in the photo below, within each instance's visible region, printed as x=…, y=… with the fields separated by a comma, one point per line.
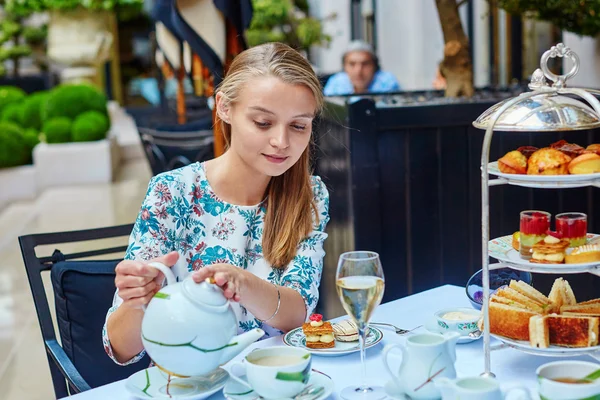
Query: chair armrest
x=66, y=367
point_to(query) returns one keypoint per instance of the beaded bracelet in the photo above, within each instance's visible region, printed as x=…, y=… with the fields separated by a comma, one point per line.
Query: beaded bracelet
x=278, y=305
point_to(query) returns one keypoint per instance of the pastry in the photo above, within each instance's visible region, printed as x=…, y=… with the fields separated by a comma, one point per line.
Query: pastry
x=318, y=333
x=571, y=149
x=516, y=238
x=588, y=163
x=551, y=250
x=548, y=161
x=594, y=148
x=345, y=331
x=527, y=151
x=584, y=254
x=513, y=162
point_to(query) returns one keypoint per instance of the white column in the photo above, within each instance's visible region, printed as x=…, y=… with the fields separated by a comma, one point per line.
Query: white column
x=329, y=59
x=481, y=43
x=588, y=50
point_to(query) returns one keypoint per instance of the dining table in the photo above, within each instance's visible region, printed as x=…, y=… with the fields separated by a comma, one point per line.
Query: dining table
x=511, y=367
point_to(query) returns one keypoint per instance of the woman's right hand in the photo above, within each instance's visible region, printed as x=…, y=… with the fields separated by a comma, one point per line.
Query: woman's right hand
x=137, y=282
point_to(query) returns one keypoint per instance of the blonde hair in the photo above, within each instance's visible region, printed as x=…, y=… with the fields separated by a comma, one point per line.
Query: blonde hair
x=290, y=201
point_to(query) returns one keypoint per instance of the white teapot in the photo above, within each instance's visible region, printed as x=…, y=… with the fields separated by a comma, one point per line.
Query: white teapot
x=189, y=328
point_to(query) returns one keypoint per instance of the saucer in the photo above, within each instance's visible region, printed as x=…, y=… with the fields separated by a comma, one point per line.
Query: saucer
x=393, y=391
x=152, y=383
x=433, y=327
x=234, y=390
x=296, y=338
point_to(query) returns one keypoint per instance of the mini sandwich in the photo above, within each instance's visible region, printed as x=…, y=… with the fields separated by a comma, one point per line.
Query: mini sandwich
x=510, y=321
x=592, y=309
x=318, y=333
x=539, y=334
x=551, y=250
x=512, y=297
x=534, y=295
x=572, y=330
x=562, y=294
x=345, y=331
x=589, y=302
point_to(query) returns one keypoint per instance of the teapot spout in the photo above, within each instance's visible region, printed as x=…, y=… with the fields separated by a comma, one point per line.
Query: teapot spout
x=239, y=343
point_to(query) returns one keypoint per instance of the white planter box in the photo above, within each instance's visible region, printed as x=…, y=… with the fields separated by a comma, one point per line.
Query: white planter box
x=17, y=183
x=79, y=163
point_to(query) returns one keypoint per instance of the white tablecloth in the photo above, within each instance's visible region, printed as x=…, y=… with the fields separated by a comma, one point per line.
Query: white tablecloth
x=510, y=366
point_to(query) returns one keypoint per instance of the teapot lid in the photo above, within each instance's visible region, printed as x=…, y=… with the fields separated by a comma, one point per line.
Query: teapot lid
x=204, y=293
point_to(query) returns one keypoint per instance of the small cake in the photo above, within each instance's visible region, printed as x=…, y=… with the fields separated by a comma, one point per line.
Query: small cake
x=551, y=250
x=345, y=331
x=319, y=334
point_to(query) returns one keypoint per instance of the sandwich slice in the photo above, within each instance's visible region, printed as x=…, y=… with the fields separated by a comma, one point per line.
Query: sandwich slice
x=572, y=330
x=539, y=333
x=562, y=294
x=588, y=302
x=512, y=297
x=535, y=295
x=509, y=321
x=583, y=309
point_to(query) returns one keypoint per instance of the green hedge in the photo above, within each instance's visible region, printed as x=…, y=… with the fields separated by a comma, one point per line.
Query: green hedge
x=14, y=149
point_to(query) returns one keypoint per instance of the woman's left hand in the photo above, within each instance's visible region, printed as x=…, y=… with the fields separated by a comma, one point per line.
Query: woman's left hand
x=233, y=280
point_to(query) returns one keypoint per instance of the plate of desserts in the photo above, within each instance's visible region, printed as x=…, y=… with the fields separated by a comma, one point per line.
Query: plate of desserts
x=555, y=325
x=552, y=253
x=325, y=338
x=559, y=162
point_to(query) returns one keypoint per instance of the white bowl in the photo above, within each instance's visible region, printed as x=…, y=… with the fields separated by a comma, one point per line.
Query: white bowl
x=463, y=326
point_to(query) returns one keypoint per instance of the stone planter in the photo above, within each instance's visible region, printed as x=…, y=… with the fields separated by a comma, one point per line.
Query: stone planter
x=17, y=183
x=76, y=163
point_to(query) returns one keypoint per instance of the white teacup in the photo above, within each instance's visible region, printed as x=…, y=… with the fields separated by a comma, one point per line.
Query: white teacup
x=475, y=388
x=274, y=372
x=551, y=389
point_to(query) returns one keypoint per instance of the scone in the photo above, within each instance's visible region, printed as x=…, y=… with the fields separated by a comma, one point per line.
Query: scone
x=594, y=147
x=513, y=162
x=588, y=163
x=551, y=250
x=318, y=333
x=345, y=331
x=548, y=161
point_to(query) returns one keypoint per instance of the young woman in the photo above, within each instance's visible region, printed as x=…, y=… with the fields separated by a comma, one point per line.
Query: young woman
x=253, y=219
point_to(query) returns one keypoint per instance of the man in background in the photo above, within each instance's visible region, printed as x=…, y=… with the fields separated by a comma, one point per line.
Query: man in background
x=361, y=73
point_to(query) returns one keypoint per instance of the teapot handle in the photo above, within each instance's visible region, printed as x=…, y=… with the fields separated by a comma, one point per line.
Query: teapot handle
x=165, y=270
x=386, y=352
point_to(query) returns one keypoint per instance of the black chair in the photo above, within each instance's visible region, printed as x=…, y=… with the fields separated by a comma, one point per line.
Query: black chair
x=83, y=292
x=172, y=148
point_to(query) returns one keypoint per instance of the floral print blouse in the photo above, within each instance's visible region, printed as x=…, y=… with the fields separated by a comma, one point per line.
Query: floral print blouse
x=181, y=212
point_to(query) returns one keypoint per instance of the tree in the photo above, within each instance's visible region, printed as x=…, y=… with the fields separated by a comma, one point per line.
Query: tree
x=578, y=16
x=285, y=21
x=456, y=66
x=14, y=37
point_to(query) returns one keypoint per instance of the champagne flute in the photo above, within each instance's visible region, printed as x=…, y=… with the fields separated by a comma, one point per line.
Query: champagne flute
x=360, y=285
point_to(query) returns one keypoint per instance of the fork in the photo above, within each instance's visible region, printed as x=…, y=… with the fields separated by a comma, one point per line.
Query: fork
x=399, y=331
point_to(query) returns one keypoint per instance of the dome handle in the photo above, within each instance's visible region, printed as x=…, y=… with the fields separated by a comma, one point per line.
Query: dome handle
x=560, y=50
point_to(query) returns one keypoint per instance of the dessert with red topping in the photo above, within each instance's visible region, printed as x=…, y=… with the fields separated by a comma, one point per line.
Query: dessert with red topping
x=533, y=228
x=572, y=226
x=318, y=333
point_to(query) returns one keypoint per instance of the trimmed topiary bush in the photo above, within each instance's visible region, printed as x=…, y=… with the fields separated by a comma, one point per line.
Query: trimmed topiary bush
x=31, y=137
x=14, y=151
x=90, y=126
x=31, y=111
x=12, y=112
x=58, y=130
x=10, y=94
x=71, y=100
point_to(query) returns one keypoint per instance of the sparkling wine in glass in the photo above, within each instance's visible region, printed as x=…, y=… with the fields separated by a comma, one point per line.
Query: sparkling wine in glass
x=360, y=284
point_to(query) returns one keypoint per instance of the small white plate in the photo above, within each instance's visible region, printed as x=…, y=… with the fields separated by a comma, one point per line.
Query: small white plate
x=234, y=390
x=296, y=338
x=549, y=180
x=433, y=327
x=552, y=351
x=152, y=383
x=501, y=249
